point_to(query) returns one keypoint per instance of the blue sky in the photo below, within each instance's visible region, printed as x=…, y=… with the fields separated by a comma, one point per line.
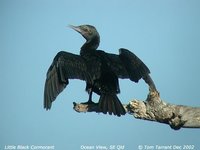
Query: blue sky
x=164, y=34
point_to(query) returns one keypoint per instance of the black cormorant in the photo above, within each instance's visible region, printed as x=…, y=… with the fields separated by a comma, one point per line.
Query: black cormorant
x=99, y=69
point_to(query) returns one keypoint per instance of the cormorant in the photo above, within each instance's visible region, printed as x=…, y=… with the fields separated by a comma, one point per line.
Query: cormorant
x=99, y=69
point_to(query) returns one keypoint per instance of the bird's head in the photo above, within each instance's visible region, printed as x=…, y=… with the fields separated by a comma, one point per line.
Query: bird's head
x=87, y=31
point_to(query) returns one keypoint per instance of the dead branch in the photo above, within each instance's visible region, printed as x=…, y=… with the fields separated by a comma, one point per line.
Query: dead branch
x=155, y=109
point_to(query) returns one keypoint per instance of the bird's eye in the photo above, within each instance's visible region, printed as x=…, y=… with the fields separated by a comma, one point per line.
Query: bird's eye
x=88, y=31
x=85, y=29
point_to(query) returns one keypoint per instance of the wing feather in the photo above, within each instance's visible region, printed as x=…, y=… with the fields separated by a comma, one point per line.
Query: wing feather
x=117, y=66
x=134, y=66
x=65, y=66
x=126, y=65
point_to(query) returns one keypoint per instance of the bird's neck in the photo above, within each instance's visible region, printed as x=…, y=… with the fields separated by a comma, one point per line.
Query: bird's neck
x=90, y=45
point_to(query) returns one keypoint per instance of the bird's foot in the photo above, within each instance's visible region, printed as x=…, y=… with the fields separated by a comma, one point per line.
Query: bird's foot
x=90, y=102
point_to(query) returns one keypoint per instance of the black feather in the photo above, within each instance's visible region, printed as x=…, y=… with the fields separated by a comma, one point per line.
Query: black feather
x=99, y=69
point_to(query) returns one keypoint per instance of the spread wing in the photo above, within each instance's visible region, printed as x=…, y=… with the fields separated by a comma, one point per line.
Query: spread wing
x=65, y=66
x=127, y=65
x=117, y=66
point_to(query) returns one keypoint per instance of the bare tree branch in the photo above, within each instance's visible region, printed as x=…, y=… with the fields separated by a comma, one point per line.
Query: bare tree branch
x=155, y=109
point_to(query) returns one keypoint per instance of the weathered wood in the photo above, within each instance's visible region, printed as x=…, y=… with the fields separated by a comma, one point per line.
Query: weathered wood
x=155, y=109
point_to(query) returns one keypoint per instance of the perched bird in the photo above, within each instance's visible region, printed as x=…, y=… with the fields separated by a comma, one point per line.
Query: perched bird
x=99, y=69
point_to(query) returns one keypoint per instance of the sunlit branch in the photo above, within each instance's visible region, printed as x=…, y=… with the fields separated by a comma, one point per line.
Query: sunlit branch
x=155, y=109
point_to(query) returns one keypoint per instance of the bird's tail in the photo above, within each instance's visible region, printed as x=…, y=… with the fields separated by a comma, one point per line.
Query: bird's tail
x=110, y=103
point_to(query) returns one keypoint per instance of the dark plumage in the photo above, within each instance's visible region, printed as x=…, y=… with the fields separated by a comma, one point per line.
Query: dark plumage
x=99, y=69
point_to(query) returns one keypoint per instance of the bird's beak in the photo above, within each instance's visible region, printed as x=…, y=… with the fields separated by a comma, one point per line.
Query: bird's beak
x=79, y=30
x=76, y=28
